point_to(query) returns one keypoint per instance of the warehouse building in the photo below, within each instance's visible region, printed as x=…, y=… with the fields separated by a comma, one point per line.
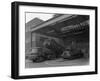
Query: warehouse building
x=66, y=30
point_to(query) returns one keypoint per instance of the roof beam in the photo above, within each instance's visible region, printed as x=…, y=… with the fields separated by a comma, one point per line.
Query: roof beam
x=51, y=22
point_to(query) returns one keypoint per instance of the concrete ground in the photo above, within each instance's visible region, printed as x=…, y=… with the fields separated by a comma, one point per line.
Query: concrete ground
x=57, y=62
